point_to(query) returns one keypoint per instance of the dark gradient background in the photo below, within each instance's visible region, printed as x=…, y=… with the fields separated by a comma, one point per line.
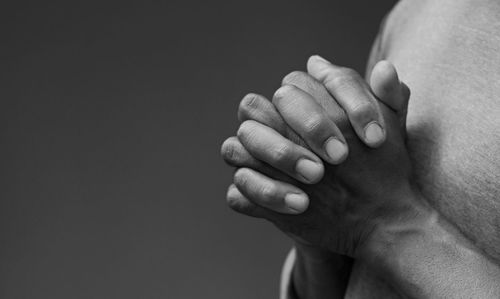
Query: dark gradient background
x=112, y=115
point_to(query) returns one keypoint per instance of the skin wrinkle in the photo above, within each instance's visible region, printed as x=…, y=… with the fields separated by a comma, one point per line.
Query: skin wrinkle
x=444, y=51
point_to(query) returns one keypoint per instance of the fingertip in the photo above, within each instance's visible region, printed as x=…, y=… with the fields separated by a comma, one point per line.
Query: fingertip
x=316, y=64
x=386, y=66
x=384, y=76
x=387, y=87
x=374, y=134
x=336, y=150
x=229, y=151
x=239, y=203
x=317, y=58
x=297, y=203
x=283, y=91
x=233, y=196
x=245, y=129
x=225, y=147
x=233, y=192
x=310, y=171
x=248, y=103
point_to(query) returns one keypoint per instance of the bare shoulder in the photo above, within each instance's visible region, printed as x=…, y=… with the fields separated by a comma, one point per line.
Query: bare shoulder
x=453, y=124
x=443, y=50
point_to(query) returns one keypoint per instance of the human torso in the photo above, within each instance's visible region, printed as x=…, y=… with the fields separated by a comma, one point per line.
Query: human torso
x=448, y=52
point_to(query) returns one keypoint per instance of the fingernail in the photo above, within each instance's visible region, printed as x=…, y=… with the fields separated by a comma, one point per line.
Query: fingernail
x=297, y=202
x=336, y=150
x=374, y=134
x=319, y=58
x=309, y=170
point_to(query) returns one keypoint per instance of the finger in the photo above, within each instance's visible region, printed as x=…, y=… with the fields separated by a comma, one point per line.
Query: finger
x=317, y=90
x=266, y=192
x=258, y=108
x=267, y=145
x=390, y=90
x=354, y=95
x=306, y=117
x=386, y=86
x=239, y=203
x=235, y=154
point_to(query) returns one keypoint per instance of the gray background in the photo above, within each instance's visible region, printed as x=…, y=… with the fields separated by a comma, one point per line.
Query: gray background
x=112, y=115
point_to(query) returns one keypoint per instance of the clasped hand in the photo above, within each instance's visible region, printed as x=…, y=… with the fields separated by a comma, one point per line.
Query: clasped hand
x=326, y=160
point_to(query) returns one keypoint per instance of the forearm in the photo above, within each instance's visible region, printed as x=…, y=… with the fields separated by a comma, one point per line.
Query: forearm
x=432, y=259
x=320, y=274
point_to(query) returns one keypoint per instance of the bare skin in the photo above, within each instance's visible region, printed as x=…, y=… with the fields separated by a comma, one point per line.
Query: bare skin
x=311, y=261
x=380, y=217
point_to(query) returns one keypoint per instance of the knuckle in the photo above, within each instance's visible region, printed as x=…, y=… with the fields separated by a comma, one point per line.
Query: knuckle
x=362, y=110
x=280, y=154
x=339, y=81
x=313, y=123
x=348, y=73
x=342, y=78
x=268, y=193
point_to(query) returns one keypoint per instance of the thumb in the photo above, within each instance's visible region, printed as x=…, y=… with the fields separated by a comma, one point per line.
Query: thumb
x=385, y=84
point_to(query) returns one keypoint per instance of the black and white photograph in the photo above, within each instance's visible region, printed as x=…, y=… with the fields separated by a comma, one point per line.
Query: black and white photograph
x=295, y=149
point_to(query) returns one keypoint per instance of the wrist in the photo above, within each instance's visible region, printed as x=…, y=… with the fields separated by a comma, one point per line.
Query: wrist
x=416, y=225
x=411, y=253
x=428, y=257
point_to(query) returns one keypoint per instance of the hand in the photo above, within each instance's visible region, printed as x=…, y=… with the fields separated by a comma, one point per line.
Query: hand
x=316, y=271
x=296, y=163
x=356, y=197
